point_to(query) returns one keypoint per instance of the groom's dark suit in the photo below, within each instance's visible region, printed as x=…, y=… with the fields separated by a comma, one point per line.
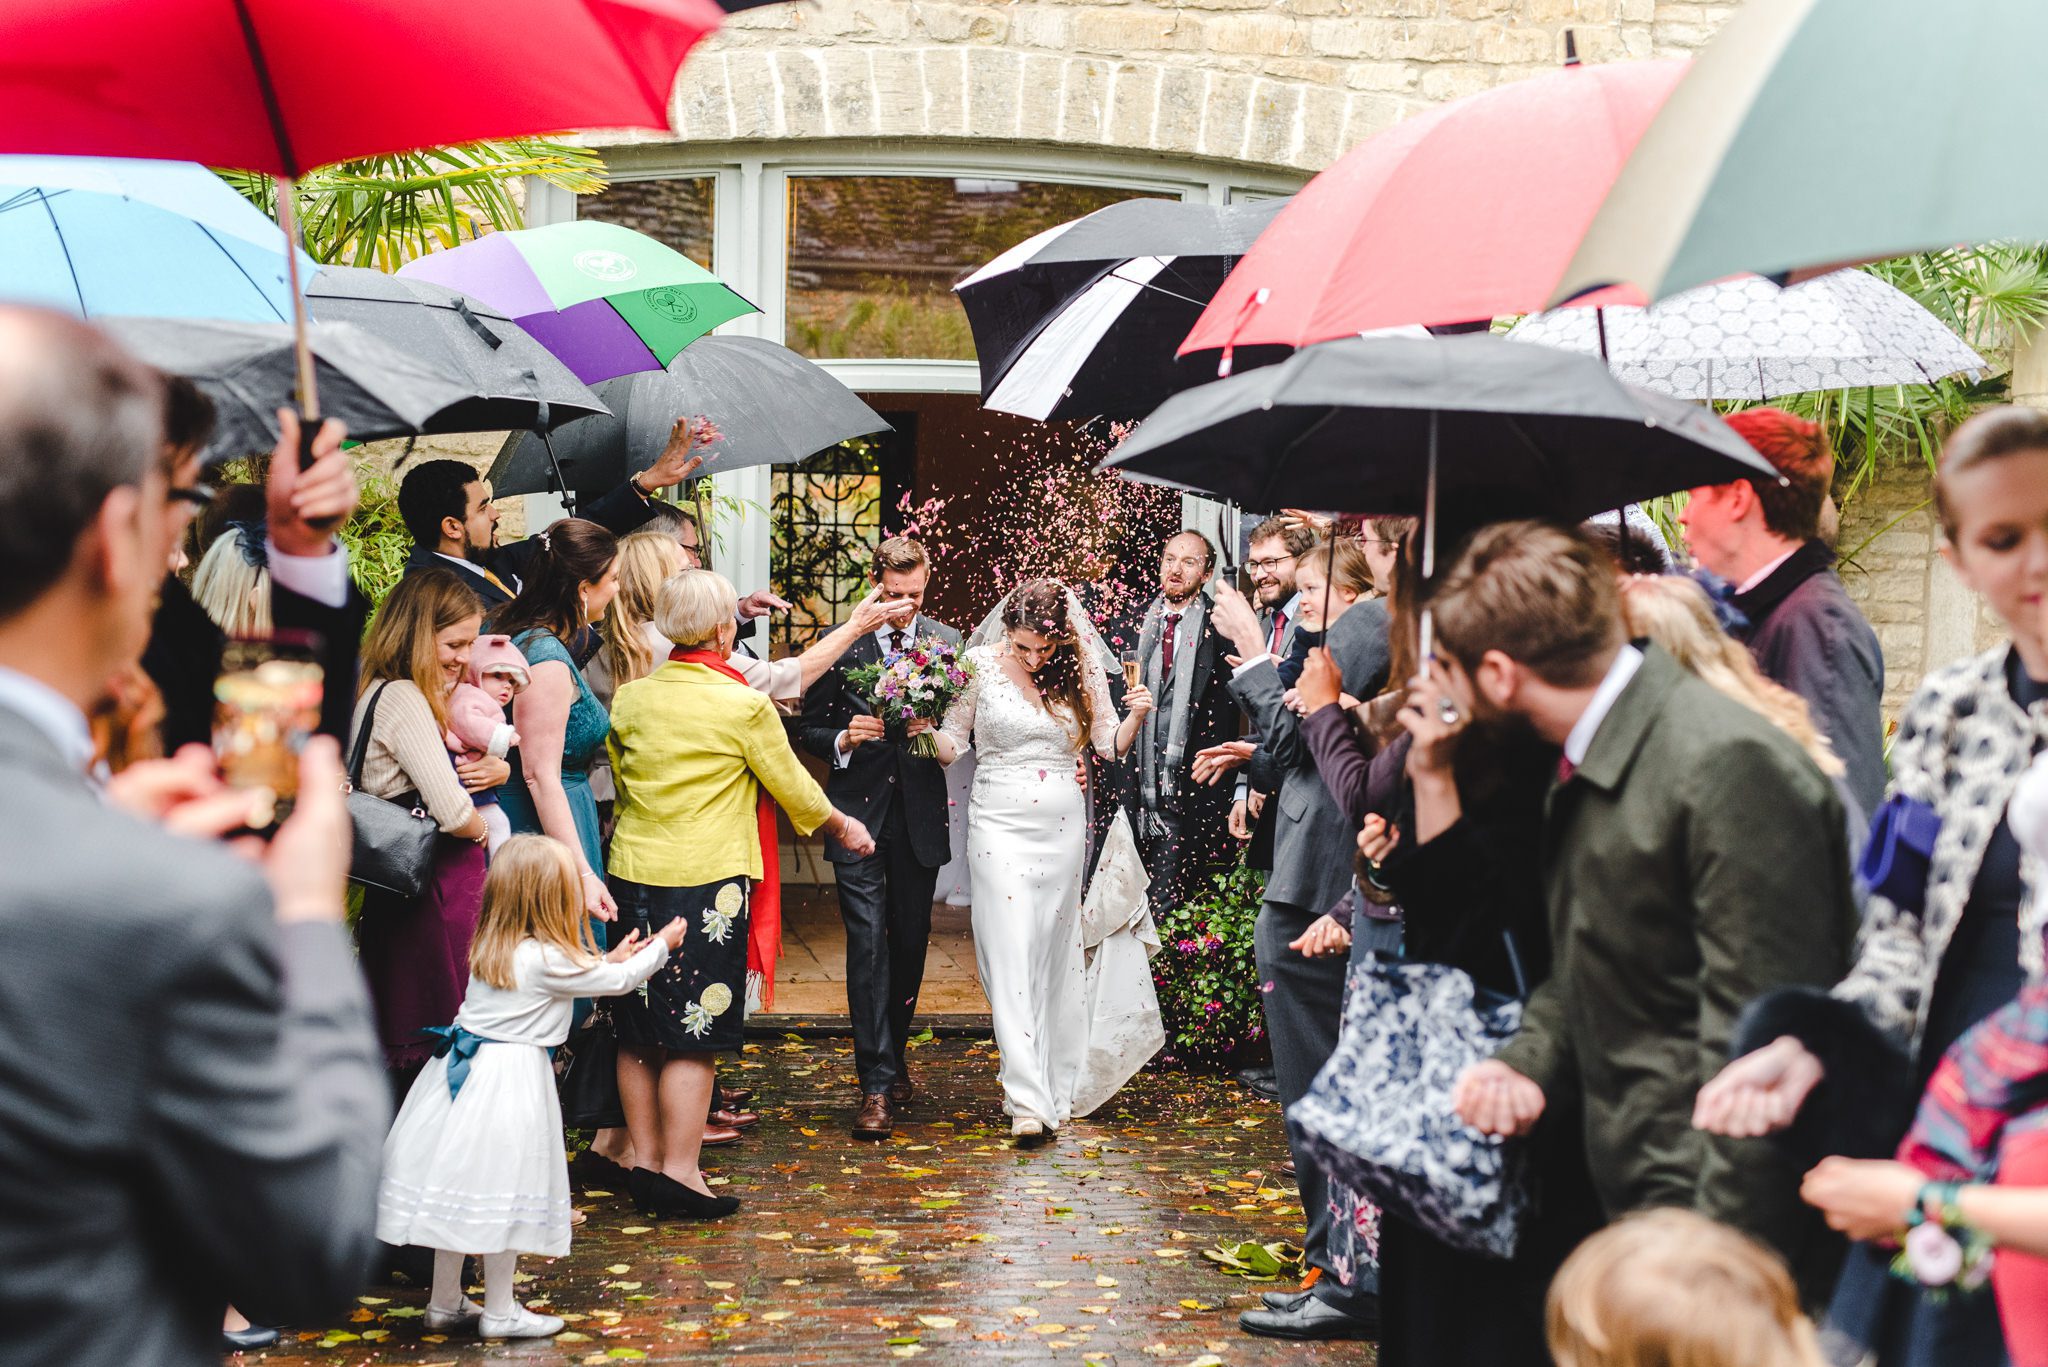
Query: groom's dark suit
x=886, y=898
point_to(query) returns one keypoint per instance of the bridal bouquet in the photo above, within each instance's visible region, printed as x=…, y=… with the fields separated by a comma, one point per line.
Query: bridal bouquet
x=918, y=683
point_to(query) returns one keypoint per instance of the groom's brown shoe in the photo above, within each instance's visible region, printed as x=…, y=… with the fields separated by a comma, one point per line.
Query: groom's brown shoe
x=902, y=1089
x=875, y=1120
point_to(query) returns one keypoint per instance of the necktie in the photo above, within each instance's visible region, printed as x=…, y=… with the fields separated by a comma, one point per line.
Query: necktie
x=1565, y=768
x=1166, y=643
x=896, y=641
x=1279, y=629
x=504, y=587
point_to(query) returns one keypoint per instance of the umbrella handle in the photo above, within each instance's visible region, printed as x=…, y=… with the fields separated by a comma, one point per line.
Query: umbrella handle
x=302, y=347
x=561, y=482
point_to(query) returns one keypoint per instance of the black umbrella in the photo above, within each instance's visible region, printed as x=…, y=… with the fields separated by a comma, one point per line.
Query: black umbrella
x=773, y=406
x=1356, y=425
x=518, y=383
x=249, y=370
x=1084, y=319
x=1390, y=425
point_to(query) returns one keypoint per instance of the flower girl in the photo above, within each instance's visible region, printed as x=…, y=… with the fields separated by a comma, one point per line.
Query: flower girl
x=474, y=1162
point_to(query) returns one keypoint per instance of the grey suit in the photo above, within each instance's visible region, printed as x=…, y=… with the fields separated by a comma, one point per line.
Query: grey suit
x=191, y=1102
x=1312, y=844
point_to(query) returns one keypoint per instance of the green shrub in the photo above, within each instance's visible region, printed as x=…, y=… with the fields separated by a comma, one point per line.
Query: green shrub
x=1206, y=971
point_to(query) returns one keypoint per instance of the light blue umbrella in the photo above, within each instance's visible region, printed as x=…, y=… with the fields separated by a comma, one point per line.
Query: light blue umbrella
x=161, y=239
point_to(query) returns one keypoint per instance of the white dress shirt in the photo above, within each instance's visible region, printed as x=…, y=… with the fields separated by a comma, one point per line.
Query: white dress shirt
x=1765, y=573
x=51, y=713
x=322, y=578
x=1619, y=673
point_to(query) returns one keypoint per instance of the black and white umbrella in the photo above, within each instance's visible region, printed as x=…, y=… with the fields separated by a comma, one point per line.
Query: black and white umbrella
x=773, y=406
x=1746, y=338
x=519, y=383
x=1083, y=319
x=250, y=370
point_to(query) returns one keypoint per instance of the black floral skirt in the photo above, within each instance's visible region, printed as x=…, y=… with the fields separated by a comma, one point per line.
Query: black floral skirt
x=697, y=1002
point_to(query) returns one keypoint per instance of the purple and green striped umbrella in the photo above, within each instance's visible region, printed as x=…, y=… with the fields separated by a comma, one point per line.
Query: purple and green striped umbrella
x=607, y=300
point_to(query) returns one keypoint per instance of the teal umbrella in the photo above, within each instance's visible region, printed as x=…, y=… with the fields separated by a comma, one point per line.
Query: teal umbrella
x=607, y=300
x=1812, y=134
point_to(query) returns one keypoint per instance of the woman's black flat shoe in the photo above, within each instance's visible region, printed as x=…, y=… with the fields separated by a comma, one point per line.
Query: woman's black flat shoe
x=671, y=1200
x=640, y=1186
x=593, y=1169
x=247, y=1340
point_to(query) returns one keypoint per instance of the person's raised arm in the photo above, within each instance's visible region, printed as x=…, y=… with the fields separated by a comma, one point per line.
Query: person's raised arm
x=1114, y=739
x=541, y=715
x=869, y=615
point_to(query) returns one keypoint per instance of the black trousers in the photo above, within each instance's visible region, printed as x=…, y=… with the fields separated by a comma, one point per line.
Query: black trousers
x=1304, y=1009
x=1189, y=848
x=885, y=901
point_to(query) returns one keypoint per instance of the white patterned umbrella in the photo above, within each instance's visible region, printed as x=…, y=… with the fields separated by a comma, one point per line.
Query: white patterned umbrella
x=1747, y=339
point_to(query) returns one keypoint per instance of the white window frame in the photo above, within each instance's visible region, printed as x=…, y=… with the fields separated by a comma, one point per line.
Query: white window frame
x=750, y=247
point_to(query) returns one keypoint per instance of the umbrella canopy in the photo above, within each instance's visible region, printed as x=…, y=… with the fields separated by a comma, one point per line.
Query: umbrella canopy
x=247, y=369
x=162, y=239
x=1812, y=134
x=1082, y=320
x=1515, y=431
x=1748, y=339
x=1466, y=212
x=773, y=406
x=607, y=300
x=283, y=85
x=519, y=383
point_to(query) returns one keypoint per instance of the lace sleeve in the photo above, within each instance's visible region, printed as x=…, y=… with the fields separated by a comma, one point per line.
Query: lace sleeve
x=1095, y=679
x=958, y=727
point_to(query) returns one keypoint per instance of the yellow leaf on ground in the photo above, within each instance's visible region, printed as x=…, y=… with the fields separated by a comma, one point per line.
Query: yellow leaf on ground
x=1048, y=1286
x=637, y=1229
x=619, y=1269
x=1169, y=1253
x=777, y=1316
x=938, y=1321
x=719, y=1286
x=1048, y=1328
x=1105, y=1281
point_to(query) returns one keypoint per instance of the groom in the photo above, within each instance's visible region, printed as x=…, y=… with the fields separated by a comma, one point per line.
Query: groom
x=885, y=899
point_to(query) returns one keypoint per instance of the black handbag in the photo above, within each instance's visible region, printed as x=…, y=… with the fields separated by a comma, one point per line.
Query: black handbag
x=394, y=837
x=589, y=1084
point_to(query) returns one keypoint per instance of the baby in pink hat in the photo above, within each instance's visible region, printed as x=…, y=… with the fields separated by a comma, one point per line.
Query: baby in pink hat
x=477, y=724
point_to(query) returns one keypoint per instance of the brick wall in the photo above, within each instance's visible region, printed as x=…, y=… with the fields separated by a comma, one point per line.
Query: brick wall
x=1288, y=84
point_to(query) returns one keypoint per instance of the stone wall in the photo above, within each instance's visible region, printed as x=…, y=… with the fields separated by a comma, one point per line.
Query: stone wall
x=1289, y=84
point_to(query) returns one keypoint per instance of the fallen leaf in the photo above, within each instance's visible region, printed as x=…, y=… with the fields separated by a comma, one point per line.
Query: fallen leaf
x=1048, y=1286
x=938, y=1321
x=1169, y=1253
x=1192, y=1304
x=1105, y=1281
x=637, y=1229
x=1023, y=1312
x=372, y=1300
x=908, y=1350
x=571, y=1336
x=719, y=1286
x=779, y=1236
x=1048, y=1328
x=619, y=1269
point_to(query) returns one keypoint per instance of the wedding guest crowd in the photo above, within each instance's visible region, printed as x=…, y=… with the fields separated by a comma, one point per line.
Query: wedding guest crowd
x=1772, y=1087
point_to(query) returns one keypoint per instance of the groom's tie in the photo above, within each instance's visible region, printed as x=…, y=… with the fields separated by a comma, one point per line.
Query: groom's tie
x=896, y=641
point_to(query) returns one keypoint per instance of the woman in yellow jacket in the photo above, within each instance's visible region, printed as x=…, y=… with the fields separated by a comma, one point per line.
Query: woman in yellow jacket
x=693, y=749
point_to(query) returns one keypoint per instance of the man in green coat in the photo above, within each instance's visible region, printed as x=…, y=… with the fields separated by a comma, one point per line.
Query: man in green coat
x=1694, y=858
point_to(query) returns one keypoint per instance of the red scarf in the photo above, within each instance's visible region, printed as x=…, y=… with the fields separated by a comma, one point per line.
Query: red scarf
x=764, y=910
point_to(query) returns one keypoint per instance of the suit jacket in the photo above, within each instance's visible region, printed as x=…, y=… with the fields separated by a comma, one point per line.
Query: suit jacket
x=1696, y=859
x=618, y=512
x=1806, y=634
x=1312, y=838
x=882, y=772
x=1213, y=717
x=192, y=1104
x=183, y=657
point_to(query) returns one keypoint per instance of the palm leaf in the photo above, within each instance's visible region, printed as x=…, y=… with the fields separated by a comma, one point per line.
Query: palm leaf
x=384, y=211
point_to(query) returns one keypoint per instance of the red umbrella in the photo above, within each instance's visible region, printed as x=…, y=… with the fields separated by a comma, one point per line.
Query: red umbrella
x=284, y=85
x=1467, y=212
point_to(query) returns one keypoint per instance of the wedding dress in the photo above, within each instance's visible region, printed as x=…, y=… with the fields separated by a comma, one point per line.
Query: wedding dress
x=1027, y=846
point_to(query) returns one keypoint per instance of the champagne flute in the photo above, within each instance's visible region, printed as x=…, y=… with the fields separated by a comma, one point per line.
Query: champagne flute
x=1130, y=661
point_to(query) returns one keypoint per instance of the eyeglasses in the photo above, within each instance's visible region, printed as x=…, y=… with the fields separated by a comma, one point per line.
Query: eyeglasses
x=1266, y=566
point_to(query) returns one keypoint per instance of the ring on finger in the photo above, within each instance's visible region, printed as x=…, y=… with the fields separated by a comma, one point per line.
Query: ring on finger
x=1447, y=712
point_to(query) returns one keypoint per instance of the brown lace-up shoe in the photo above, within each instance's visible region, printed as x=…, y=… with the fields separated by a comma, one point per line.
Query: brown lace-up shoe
x=875, y=1120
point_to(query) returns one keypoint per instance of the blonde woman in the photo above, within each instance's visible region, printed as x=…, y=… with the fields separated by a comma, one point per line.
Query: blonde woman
x=693, y=750
x=233, y=581
x=416, y=953
x=634, y=645
x=1676, y=613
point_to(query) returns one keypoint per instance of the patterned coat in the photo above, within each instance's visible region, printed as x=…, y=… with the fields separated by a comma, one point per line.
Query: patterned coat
x=1961, y=748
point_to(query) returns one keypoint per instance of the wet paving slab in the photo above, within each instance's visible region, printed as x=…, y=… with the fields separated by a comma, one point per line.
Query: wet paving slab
x=947, y=1242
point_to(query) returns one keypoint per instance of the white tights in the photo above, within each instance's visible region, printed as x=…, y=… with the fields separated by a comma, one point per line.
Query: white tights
x=498, y=1272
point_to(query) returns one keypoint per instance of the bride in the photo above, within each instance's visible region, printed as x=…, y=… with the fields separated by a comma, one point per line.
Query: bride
x=1039, y=694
